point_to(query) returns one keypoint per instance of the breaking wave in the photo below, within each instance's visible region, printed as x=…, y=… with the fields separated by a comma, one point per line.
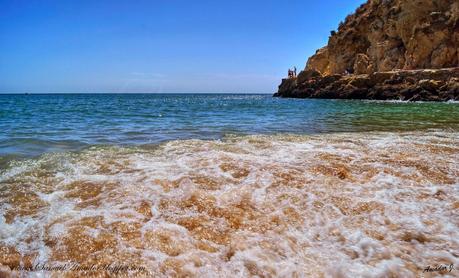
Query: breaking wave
x=336, y=205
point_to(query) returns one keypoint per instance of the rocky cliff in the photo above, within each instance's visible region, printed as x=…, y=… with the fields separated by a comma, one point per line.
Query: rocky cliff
x=386, y=36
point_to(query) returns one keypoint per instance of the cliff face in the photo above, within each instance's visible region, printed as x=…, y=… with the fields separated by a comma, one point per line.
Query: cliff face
x=384, y=35
x=396, y=37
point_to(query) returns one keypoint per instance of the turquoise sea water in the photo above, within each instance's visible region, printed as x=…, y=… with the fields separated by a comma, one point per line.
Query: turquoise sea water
x=35, y=124
x=266, y=186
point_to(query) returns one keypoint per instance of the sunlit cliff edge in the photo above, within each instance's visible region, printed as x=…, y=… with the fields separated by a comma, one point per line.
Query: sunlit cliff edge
x=387, y=49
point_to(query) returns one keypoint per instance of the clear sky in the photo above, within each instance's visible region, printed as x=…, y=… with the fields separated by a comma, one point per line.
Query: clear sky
x=166, y=46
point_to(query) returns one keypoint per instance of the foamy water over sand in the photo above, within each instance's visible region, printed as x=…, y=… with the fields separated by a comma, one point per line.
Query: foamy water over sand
x=381, y=204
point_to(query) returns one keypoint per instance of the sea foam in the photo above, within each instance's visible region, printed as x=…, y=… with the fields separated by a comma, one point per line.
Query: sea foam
x=331, y=205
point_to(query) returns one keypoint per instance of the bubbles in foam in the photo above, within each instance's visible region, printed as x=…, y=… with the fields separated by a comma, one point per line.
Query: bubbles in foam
x=337, y=205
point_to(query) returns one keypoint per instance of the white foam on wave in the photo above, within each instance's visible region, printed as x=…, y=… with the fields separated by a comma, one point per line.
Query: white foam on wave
x=337, y=205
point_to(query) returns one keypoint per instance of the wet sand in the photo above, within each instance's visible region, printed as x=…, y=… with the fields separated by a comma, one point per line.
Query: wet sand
x=332, y=205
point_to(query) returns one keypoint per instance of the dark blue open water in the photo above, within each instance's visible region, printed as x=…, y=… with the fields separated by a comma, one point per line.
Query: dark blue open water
x=31, y=125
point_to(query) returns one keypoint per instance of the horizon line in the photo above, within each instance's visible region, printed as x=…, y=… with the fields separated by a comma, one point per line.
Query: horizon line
x=143, y=93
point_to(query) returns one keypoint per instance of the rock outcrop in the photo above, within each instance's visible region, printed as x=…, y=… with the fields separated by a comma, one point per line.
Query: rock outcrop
x=409, y=85
x=390, y=37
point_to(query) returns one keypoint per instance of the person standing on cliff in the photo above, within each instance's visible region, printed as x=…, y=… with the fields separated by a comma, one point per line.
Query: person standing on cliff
x=411, y=62
x=294, y=71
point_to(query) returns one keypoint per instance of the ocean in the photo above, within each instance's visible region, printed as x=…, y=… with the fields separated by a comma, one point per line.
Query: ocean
x=228, y=185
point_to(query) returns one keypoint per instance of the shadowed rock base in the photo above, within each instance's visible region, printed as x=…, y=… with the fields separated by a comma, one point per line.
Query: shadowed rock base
x=407, y=85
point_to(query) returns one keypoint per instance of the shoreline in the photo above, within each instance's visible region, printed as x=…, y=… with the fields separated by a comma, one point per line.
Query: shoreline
x=7, y=158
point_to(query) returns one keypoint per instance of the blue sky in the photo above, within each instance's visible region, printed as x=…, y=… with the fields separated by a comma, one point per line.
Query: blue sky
x=167, y=46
